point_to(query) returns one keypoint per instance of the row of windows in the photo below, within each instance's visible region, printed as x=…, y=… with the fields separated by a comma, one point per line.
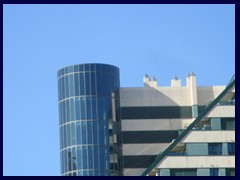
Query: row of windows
x=144, y=161
x=84, y=132
x=87, y=108
x=87, y=173
x=193, y=172
x=216, y=149
x=138, y=137
x=88, y=132
x=157, y=112
x=85, y=158
x=88, y=67
x=88, y=83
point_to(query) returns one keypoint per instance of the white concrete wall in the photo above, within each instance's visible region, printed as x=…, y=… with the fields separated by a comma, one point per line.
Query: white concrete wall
x=197, y=162
x=160, y=96
x=208, y=93
x=143, y=149
x=209, y=136
x=167, y=96
x=156, y=124
x=222, y=111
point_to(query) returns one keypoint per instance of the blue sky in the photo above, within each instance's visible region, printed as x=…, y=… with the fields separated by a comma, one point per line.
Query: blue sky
x=161, y=40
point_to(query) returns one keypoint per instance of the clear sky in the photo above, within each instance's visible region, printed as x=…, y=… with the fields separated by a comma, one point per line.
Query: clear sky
x=161, y=40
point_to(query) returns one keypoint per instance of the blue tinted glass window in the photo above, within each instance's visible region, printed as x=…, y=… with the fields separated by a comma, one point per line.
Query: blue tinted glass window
x=67, y=111
x=95, y=132
x=61, y=137
x=84, y=132
x=81, y=67
x=64, y=112
x=102, y=158
x=61, y=161
x=231, y=148
x=92, y=67
x=96, y=157
x=89, y=132
x=215, y=149
x=101, y=134
x=96, y=173
x=94, y=110
x=79, y=136
x=85, y=173
x=82, y=84
x=70, y=69
x=77, y=108
x=99, y=90
x=89, y=113
x=60, y=89
x=59, y=113
x=73, y=133
x=71, y=84
x=80, y=173
x=65, y=136
x=69, y=157
x=86, y=67
x=68, y=135
x=85, y=157
x=90, y=172
x=76, y=80
x=65, y=160
x=87, y=83
x=72, y=109
x=66, y=87
x=63, y=87
x=65, y=70
x=90, y=156
x=93, y=84
x=79, y=156
x=83, y=102
x=76, y=68
x=74, y=158
x=214, y=172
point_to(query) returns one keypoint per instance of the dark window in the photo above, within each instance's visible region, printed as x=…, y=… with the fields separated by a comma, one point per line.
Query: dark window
x=231, y=148
x=82, y=84
x=148, y=136
x=74, y=159
x=85, y=157
x=69, y=155
x=214, y=172
x=66, y=87
x=90, y=157
x=87, y=83
x=215, y=149
x=183, y=172
x=142, y=161
x=156, y=112
x=71, y=84
x=79, y=156
x=228, y=123
x=73, y=134
x=230, y=171
x=76, y=81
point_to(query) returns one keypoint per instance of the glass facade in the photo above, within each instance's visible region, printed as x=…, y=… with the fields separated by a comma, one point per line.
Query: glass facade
x=89, y=120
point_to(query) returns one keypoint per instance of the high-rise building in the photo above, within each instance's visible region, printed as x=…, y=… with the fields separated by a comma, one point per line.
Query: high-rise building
x=151, y=130
x=90, y=127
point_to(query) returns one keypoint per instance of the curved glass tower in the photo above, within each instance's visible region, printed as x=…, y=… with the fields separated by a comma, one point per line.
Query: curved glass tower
x=89, y=120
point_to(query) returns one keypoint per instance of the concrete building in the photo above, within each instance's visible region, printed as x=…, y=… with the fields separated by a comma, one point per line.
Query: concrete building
x=149, y=130
x=153, y=117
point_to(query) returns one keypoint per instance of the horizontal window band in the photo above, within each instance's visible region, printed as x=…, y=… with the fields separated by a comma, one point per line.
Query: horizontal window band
x=138, y=137
x=158, y=112
x=143, y=161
